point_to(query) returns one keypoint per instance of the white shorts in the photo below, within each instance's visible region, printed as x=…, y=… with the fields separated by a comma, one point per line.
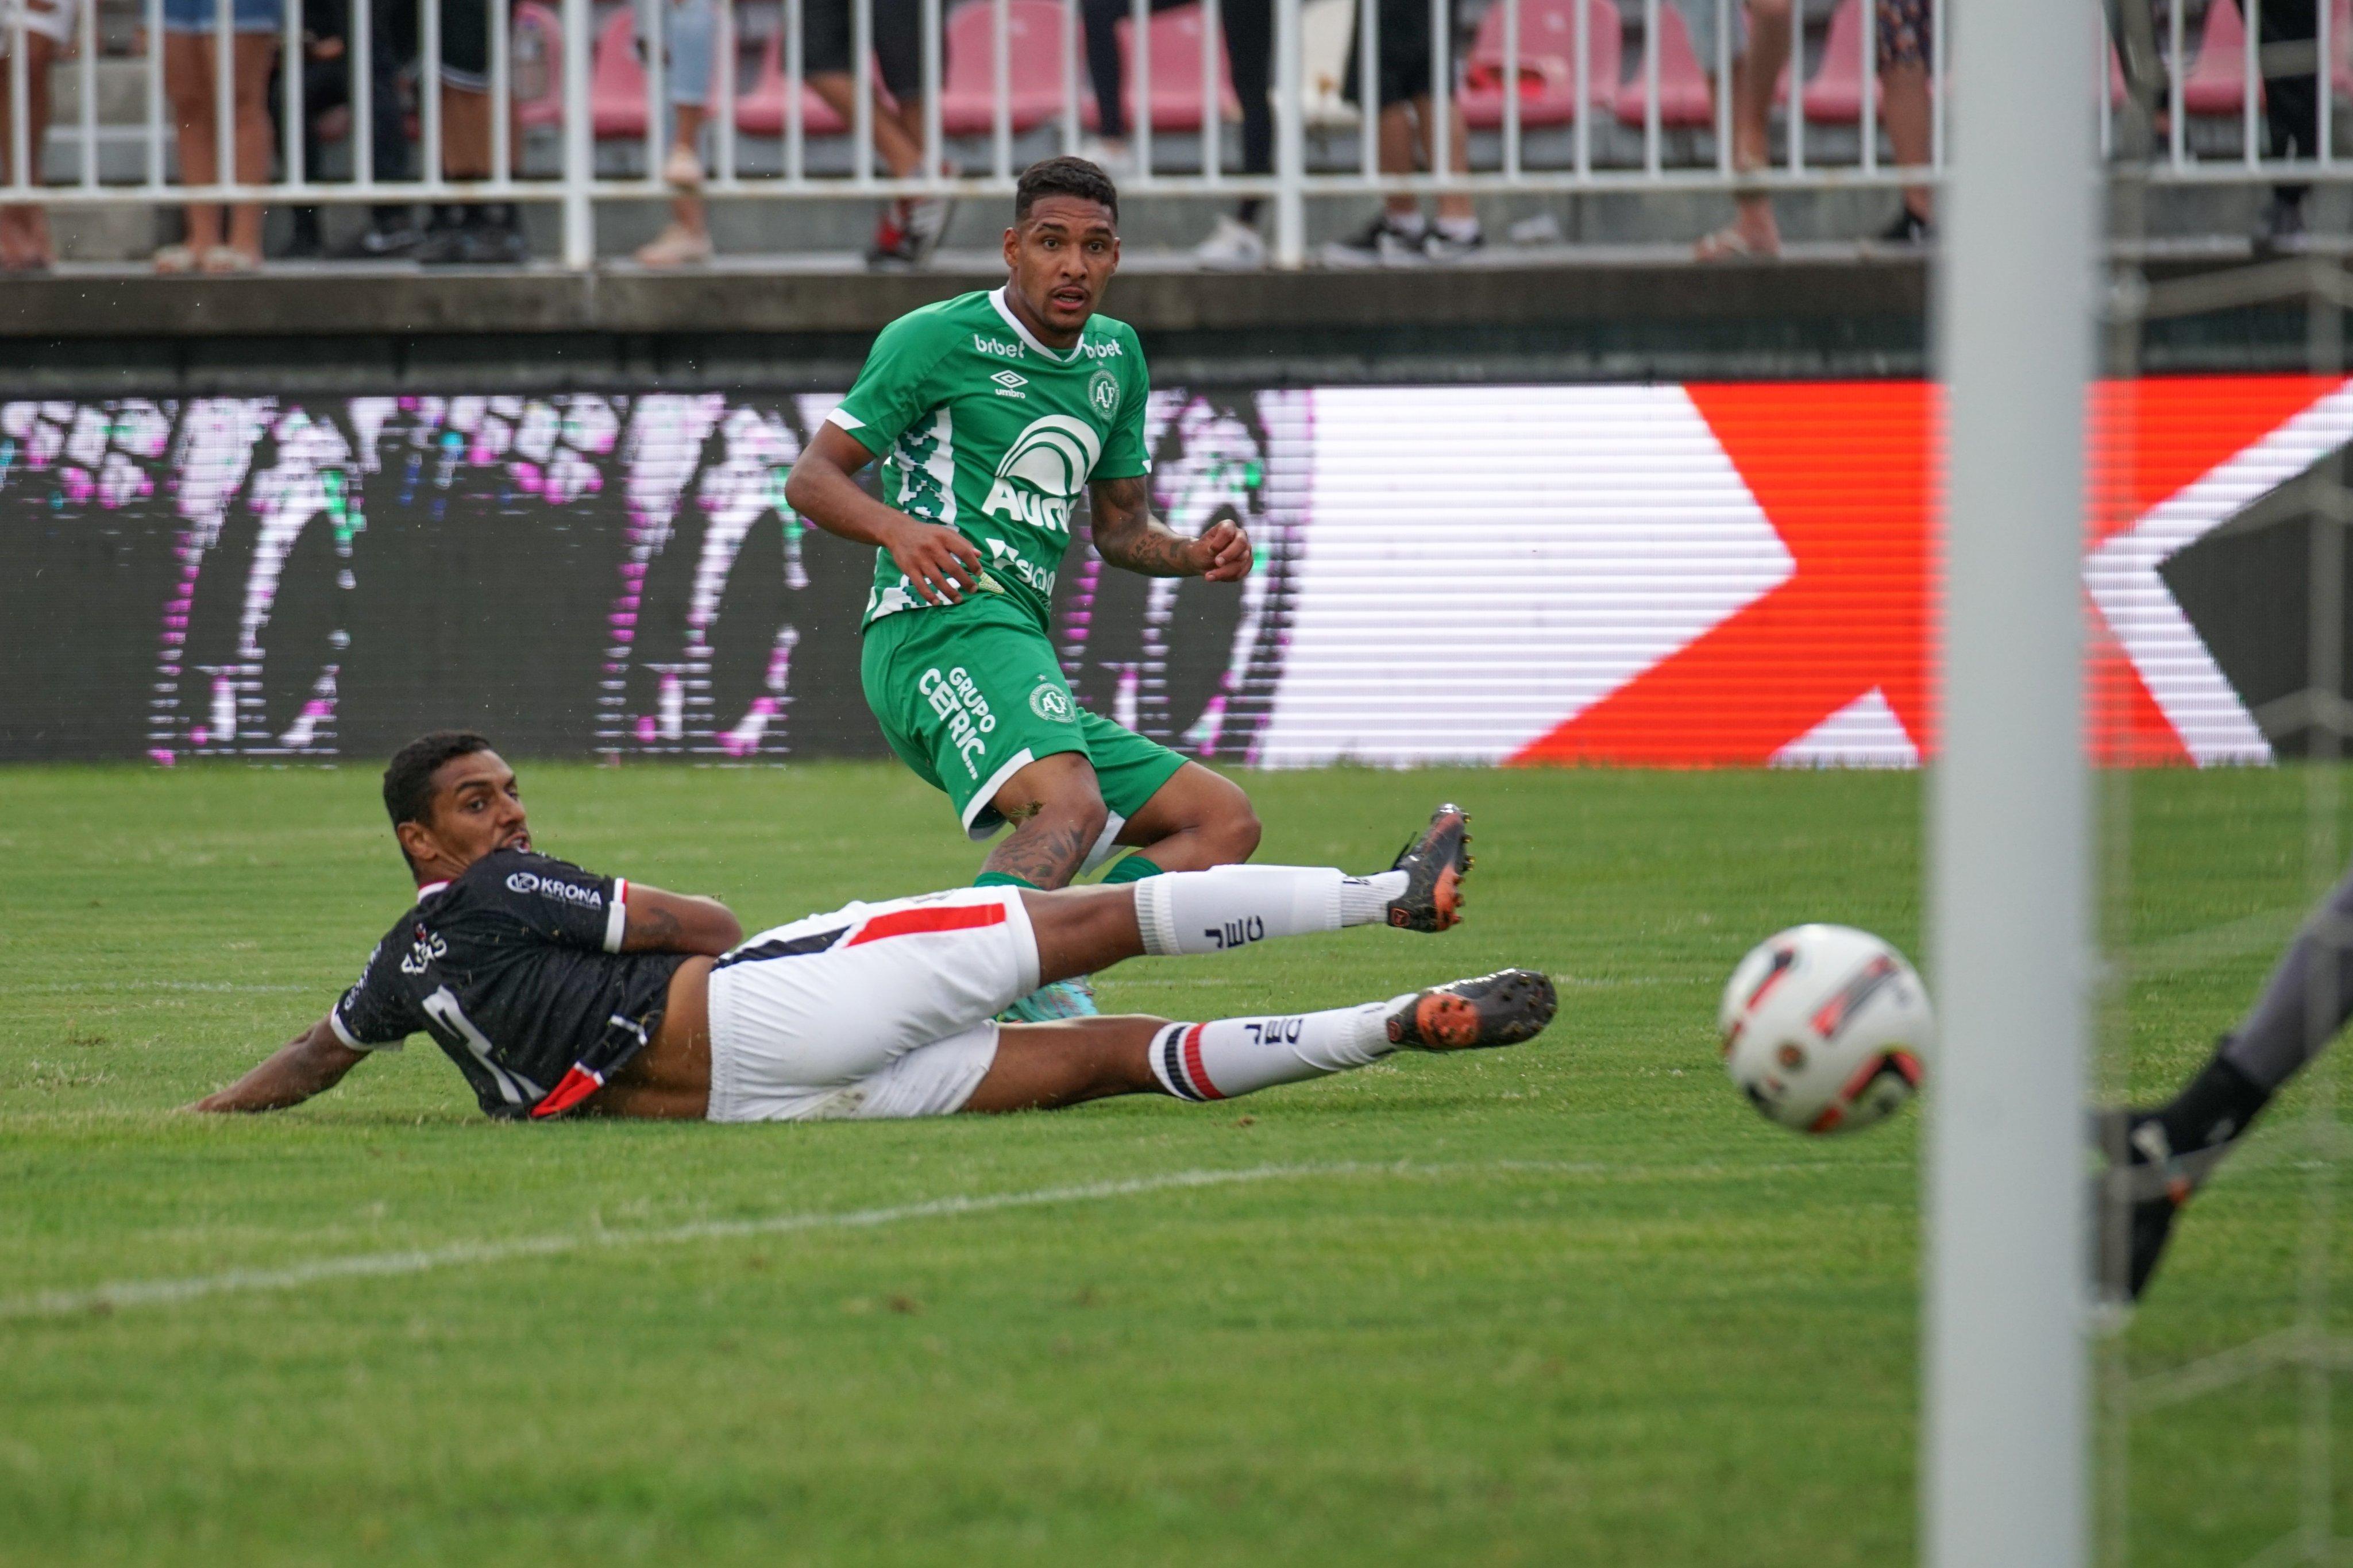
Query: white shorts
x=874, y=1010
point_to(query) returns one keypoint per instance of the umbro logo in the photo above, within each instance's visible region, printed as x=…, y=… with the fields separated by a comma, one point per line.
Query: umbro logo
x=1009, y=384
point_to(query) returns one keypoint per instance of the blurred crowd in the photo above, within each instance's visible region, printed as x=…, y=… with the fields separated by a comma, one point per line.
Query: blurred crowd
x=374, y=128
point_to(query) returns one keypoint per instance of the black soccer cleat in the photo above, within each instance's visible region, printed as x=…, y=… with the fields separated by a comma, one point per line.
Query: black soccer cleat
x=1499, y=1009
x=1435, y=864
x=2137, y=1198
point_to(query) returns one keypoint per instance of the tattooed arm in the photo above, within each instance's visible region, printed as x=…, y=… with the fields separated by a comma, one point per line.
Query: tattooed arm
x=1126, y=535
x=676, y=923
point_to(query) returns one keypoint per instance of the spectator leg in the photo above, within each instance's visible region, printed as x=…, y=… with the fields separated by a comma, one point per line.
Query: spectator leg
x=253, y=56
x=1104, y=68
x=2291, y=107
x=1905, y=111
x=465, y=133
x=188, y=79
x=25, y=230
x=902, y=154
x=686, y=209
x=1754, y=77
x=1456, y=206
x=1249, y=55
x=1395, y=151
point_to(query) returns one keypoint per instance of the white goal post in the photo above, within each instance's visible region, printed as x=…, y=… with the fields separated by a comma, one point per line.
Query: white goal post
x=2005, y=1427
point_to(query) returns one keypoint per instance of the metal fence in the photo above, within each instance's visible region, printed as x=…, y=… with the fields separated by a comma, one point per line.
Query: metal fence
x=1545, y=96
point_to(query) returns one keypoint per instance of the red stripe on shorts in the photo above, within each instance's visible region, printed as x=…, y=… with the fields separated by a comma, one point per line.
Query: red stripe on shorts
x=929, y=917
x=1193, y=1064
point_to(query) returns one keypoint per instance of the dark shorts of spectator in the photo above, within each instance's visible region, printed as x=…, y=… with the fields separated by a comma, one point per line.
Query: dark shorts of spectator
x=826, y=40
x=466, y=43
x=1905, y=34
x=1404, y=65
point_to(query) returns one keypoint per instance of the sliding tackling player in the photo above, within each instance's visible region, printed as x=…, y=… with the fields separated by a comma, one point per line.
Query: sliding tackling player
x=556, y=990
x=993, y=412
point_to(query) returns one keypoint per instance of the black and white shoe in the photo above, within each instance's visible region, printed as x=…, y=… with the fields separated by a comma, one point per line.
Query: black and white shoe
x=1909, y=228
x=1435, y=863
x=1381, y=243
x=1500, y=1009
x=1443, y=244
x=909, y=230
x=2280, y=230
x=2155, y=1159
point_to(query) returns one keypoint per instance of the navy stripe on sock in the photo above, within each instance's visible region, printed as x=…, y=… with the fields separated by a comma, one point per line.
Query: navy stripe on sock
x=1172, y=1062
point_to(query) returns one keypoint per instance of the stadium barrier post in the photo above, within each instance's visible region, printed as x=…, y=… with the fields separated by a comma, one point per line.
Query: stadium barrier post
x=224, y=102
x=501, y=97
x=579, y=148
x=429, y=96
x=362, y=23
x=88, y=68
x=21, y=159
x=289, y=79
x=2003, y=1466
x=1290, y=141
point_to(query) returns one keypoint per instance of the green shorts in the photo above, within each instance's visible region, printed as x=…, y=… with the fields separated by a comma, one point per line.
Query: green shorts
x=970, y=695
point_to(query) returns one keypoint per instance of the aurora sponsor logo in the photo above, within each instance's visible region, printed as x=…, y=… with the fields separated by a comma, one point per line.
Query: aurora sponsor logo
x=958, y=702
x=1043, y=472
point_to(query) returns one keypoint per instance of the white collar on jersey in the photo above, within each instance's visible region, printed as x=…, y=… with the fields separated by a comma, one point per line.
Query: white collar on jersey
x=431, y=888
x=996, y=298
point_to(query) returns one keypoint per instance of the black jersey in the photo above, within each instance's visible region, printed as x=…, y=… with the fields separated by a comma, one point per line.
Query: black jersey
x=516, y=969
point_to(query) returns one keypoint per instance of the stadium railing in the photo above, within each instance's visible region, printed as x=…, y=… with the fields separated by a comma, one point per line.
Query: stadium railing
x=1592, y=112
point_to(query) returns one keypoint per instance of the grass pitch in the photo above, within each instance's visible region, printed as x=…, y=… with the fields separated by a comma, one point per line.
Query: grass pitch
x=1571, y=1303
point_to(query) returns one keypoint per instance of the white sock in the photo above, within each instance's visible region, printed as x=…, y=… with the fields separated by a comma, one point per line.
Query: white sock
x=1228, y=1057
x=1234, y=906
x=1458, y=227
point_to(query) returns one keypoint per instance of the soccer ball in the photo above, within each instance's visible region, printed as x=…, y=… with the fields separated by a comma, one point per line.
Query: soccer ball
x=1825, y=1028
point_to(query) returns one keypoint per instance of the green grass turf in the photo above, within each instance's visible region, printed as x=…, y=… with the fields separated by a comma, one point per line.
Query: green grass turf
x=1573, y=1304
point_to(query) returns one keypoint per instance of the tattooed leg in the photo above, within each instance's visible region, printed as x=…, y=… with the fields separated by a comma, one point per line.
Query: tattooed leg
x=1057, y=814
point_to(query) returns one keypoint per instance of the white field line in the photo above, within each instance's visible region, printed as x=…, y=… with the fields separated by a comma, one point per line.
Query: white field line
x=421, y=1260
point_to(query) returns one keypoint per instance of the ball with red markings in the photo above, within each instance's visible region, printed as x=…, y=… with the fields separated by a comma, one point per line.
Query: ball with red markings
x=1825, y=1028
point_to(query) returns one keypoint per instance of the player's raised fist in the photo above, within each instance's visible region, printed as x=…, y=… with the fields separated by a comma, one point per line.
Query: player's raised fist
x=940, y=565
x=1224, y=553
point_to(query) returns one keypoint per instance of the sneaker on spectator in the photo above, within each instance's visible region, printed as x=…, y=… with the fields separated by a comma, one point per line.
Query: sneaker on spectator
x=682, y=170
x=676, y=246
x=2281, y=228
x=475, y=235
x=909, y=231
x=1114, y=158
x=1232, y=246
x=1909, y=228
x=1454, y=240
x=380, y=242
x=1384, y=242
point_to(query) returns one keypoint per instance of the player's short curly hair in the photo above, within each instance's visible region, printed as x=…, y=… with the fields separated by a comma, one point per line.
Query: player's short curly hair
x=408, y=778
x=1064, y=176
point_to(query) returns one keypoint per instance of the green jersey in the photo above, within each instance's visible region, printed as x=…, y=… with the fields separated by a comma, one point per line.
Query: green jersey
x=987, y=430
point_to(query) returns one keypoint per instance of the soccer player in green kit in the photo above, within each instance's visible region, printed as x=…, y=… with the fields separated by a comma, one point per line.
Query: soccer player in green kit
x=993, y=413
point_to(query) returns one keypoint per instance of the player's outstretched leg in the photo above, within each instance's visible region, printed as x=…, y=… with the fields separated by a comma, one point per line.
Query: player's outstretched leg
x=1082, y=930
x=2158, y=1155
x=1045, y=1067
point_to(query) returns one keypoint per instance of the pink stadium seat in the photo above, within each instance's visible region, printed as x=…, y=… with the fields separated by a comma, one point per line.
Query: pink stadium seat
x=616, y=85
x=1835, y=95
x=1176, y=86
x=761, y=111
x=2217, y=82
x=617, y=78
x=1547, y=62
x=1036, y=62
x=538, y=35
x=1684, y=101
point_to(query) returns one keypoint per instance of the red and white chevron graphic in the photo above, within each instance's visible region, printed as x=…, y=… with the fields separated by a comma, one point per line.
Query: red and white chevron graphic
x=1712, y=576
